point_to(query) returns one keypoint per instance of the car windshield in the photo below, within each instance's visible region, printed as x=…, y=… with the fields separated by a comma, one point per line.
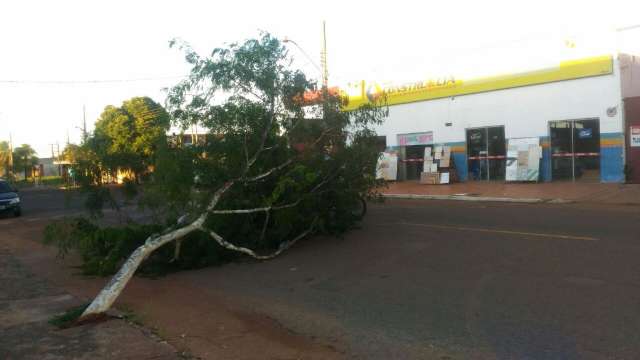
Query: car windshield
x=5, y=188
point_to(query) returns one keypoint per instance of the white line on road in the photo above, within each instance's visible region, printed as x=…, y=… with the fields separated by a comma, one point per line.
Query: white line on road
x=497, y=231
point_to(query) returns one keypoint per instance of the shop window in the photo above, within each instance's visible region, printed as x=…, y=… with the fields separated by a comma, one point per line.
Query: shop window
x=575, y=150
x=486, y=151
x=381, y=143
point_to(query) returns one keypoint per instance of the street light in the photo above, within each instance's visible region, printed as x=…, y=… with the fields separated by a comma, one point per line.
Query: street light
x=323, y=56
x=287, y=40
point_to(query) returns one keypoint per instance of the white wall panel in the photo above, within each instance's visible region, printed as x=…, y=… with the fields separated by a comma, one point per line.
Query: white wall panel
x=524, y=111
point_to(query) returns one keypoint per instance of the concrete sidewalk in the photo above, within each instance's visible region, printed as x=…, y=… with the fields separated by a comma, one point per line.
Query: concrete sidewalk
x=620, y=194
x=28, y=302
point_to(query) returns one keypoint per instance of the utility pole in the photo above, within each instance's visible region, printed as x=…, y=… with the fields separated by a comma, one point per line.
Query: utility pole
x=10, y=156
x=84, y=123
x=53, y=157
x=323, y=57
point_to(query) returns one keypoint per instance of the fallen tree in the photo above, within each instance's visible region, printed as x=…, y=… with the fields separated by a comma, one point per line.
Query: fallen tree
x=270, y=171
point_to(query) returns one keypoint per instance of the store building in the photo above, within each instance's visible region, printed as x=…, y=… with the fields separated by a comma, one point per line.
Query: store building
x=582, y=111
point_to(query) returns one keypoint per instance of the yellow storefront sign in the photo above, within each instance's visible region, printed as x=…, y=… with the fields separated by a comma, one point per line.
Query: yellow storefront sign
x=365, y=93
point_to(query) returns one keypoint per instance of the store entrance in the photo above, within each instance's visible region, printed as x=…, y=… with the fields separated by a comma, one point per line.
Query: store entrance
x=486, y=153
x=414, y=159
x=575, y=150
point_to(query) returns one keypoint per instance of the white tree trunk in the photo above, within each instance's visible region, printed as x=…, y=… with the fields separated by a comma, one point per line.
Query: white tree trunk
x=110, y=293
x=114, y=288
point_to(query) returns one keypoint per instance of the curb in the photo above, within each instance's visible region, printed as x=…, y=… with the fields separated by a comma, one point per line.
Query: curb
x=475, y=198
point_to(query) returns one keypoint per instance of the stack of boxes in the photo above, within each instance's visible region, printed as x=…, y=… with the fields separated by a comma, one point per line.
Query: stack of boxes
x=523, y=160
x=436, y=165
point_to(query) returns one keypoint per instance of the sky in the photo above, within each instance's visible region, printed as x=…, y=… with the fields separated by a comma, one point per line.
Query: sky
x=80, y=42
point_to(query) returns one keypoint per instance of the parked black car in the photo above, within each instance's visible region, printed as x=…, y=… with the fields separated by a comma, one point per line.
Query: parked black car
x=9, y=199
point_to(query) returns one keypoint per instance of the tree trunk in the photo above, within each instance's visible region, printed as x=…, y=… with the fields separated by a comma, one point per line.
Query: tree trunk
x=110, y=293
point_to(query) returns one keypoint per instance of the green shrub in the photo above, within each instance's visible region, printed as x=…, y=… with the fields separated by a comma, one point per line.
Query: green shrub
x=69, y=317
x=52, y=180
x=104, y=249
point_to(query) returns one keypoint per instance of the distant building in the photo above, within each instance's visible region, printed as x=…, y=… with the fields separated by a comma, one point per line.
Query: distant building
x=48, y=167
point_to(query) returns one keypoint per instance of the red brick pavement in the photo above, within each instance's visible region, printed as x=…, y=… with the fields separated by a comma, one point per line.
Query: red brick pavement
x=580, y=192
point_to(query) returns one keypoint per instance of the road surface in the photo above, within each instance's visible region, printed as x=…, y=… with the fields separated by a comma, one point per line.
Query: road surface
x=429, y=279
x=446, y=280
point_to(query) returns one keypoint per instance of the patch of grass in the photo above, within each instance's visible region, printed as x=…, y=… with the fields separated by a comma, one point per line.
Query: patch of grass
x=52, y=180
x=69, y=317
x=45, y=180
x=130, y=316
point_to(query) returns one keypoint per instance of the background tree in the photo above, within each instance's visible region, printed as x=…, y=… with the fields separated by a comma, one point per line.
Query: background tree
x=270, y=173
x=24, y=159
x=127, y=137
x=72, y=153
x=5, y=158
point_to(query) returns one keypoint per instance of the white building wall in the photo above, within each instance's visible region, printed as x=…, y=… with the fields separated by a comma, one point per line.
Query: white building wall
x=524, y=111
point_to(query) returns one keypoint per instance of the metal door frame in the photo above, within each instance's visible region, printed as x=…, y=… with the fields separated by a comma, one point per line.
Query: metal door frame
x=486, y=147
x=573, y=143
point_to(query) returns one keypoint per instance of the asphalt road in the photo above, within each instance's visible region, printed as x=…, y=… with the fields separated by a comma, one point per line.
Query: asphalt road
x=449, y=280
x=435, y=279
x=44, y=203
x=52, y=204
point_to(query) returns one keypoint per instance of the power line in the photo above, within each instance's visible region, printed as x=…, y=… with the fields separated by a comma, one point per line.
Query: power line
x=77, y=82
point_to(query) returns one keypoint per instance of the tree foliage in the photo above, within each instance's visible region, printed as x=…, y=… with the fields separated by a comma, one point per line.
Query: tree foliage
x=24, y=159
x=5, y=158
x=127, y=137
x=248, y=97
x=270, y=171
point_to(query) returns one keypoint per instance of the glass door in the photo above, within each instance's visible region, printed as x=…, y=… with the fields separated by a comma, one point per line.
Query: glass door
x=414, y=161
x=486, y=153
x=561, y=150
x=586, y=149
x=477, y=154
x=575, y=150
x=497, y=152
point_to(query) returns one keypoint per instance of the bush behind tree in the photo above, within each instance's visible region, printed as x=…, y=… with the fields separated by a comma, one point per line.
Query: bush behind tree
x=104, y=249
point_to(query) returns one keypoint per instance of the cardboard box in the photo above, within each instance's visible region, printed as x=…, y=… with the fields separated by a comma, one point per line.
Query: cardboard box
x=429, y=178
x=444, y=162
x=427, y=152
x=523, y=157
x=522, y=173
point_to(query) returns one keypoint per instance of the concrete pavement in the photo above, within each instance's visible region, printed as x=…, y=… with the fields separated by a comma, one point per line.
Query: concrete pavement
x=28, y=302
x=557, y=192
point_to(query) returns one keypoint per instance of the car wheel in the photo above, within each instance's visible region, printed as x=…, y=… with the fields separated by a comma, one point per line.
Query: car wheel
x=18, y=212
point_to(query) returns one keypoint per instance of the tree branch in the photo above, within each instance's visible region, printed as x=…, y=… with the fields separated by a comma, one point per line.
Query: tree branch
x=283, y=246
x=265, y=225
x=255, y=210
x=109, y=293
x=216, y=197
x=269, y=172
x=265, y=135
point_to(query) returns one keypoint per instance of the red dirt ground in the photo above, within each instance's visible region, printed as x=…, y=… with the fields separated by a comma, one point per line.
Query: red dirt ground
x=205, y=325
